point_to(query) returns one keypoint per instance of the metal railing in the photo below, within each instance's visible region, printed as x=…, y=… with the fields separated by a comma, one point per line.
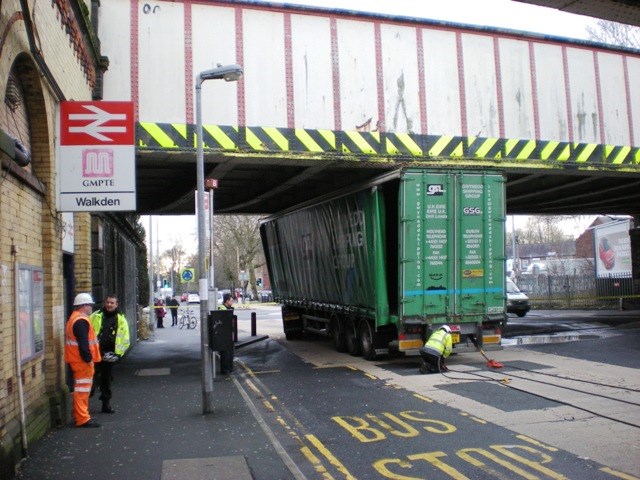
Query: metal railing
x=577, y=291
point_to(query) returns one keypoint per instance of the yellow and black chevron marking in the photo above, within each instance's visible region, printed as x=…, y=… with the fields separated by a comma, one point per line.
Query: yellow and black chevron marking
x=162, y=135
x=318, y=141
x=371, y=144
x=360, y=142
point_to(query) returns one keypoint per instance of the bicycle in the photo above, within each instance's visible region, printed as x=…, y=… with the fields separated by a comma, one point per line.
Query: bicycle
x=188, y=319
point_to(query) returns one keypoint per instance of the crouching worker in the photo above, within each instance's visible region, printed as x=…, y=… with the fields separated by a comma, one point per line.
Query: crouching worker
x=437, y=348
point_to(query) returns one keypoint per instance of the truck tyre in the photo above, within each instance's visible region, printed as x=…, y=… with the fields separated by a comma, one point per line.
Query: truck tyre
x=351, y=335
x=367, y=339
x=338, y=333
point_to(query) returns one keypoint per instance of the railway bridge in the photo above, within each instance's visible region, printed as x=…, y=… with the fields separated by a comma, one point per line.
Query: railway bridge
x=331, y=97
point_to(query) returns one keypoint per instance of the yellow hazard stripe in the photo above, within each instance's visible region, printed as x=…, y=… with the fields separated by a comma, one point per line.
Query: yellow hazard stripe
x=308, y=141
x=278, y=138
x=181, y=136
x=253, y=141
x=620, y=157
x=403, y=139
x=586, y=153
x=548, y=149
x=360, y=142
x=526, y=151
x=164, y=140
x=222, y=138
x=487, y=145
x=442, y=143
x=565, y=154
x=329, y=136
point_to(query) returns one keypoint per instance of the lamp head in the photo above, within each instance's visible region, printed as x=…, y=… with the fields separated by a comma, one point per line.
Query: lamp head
x=230, y=73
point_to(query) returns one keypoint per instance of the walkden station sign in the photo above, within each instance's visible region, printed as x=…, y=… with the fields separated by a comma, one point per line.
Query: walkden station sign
x=97, y=157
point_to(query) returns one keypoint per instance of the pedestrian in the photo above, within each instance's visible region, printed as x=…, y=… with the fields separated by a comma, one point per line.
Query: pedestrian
x=227, y=302
x=226, y=357
x=435, y=350
x=81, y=351
x=173, y=306
x=160, y=312
x=112, y=330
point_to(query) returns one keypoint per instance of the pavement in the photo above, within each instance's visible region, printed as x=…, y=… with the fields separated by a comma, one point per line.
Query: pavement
x=159, y=430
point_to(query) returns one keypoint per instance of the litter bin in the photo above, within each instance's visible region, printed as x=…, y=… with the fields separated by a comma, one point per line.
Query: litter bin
x=220, y=324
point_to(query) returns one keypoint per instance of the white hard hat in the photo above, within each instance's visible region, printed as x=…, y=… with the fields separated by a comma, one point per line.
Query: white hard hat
x=446, y=328
x=82, y=299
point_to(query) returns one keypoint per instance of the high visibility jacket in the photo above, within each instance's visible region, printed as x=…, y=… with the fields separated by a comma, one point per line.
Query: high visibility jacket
x=71, y=346
x=440, y=341
x=122, y=334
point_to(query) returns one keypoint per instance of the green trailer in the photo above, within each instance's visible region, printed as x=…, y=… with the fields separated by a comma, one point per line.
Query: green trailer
x=378, y=267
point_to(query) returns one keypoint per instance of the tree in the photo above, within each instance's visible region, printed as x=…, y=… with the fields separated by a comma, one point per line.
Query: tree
x=143, y=262
x=543, y=229
x=615, y=34
x=238, y=247
x=172, y=261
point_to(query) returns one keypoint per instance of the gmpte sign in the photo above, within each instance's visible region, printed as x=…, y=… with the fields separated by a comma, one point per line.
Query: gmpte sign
x=97, y=157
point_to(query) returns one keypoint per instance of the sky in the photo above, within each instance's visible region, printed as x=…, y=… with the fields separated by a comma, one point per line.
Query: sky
x=493, y=13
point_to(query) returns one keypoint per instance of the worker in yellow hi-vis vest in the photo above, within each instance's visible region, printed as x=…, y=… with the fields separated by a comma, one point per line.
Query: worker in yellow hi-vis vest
x=437, y=348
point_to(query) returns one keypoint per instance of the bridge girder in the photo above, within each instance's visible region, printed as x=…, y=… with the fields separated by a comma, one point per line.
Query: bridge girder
x=262, y=171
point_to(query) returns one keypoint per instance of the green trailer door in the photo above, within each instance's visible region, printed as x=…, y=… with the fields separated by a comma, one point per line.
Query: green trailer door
x=480, y=246
x=427, y=244
x=451, y=246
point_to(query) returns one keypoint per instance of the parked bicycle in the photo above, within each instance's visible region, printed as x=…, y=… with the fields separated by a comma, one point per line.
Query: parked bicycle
x=188, y=319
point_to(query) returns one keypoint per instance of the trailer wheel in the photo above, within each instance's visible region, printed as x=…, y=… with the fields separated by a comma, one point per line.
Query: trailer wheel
x=351, y=336
x=338, y=333
x=366, y=340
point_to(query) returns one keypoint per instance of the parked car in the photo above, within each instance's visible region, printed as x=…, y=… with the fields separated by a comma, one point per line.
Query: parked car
x=184, y=297
x=517, y=302
x=193, y=298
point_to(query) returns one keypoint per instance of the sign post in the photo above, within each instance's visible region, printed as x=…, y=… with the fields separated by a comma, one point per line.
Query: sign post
x=96, y=153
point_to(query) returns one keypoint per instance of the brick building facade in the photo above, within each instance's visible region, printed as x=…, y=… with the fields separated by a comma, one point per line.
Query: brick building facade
x=48, y=53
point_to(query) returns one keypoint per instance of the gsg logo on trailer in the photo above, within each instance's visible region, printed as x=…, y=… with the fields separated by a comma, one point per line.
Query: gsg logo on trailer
x=472, y=211
x=435, y=189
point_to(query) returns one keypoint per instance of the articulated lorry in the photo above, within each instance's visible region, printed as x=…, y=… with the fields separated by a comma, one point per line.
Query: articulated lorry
x=380, y=266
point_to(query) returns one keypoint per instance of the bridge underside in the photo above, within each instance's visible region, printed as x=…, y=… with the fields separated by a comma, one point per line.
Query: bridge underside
x=262, y=171
x=621, y=11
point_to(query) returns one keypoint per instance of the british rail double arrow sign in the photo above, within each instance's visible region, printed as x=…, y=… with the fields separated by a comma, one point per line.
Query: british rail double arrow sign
x=96, y=153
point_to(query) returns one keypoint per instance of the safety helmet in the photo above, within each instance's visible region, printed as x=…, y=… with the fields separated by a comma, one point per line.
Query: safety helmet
x=446, y=328
x=82, y=299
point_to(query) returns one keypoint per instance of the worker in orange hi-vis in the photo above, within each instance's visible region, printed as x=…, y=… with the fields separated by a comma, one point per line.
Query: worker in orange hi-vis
x=81, y=350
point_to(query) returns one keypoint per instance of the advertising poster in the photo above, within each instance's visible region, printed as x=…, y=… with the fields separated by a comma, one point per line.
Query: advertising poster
x=612, y=249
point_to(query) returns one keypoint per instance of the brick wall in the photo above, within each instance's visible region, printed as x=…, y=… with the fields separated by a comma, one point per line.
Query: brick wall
x=30, y=225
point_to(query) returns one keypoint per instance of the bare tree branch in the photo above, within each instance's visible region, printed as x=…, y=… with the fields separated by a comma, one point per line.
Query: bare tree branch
x=615, y=34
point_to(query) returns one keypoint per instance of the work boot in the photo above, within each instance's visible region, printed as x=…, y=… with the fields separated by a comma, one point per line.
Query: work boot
x=89, y=424
x=423, y=367
x=106, y=408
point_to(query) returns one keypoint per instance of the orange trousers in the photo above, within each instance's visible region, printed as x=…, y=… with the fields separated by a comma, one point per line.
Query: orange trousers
x=82, y=381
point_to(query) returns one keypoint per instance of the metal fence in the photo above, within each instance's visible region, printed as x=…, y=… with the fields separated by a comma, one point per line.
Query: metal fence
x=576, y=291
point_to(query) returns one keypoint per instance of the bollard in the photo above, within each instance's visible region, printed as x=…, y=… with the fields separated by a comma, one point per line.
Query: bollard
x=253, y=324
x=235, y=329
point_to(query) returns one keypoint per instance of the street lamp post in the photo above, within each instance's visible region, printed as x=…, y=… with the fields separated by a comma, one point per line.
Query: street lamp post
x=229, y=73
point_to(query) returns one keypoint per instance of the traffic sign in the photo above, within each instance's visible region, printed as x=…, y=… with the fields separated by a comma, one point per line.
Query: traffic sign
x=187, y=275
x=97, y=157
